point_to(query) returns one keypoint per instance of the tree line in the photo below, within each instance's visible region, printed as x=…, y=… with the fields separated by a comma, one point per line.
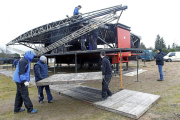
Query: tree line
x=5, y=53
x=160, y=44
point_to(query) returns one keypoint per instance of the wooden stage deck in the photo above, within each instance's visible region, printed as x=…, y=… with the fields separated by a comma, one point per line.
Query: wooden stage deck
x=128, y=103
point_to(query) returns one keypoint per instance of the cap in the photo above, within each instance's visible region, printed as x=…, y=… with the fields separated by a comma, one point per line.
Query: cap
x=43, y=58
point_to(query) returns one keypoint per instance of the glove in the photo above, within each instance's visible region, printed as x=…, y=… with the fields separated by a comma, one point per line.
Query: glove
x=26, y=83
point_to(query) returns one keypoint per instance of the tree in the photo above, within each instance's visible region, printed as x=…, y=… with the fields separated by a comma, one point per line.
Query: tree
x=160, y=43
x=142, y=46
x=4, y=53
x=169, y=47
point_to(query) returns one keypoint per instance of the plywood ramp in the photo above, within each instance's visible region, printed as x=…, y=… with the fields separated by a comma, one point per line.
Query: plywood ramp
x=71, y=78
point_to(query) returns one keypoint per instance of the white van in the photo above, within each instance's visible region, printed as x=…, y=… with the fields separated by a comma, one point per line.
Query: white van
x=172, y=56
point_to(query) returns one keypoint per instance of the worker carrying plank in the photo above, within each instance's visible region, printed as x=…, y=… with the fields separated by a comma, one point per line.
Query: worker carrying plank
x=41, y=72
x=22, y=77
x=106, y=76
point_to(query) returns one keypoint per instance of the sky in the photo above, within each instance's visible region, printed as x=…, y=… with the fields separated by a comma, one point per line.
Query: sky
x=147, y=18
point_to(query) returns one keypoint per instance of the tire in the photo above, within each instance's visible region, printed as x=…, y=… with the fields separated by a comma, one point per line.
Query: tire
x=169, y=60
x=95, y=66
x=86, y=65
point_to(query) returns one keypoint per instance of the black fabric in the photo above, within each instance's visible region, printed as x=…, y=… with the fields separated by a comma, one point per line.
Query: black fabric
x=159, y=59
x=105, y=89
x=22, y=95
x=106, y=66
x=23, y=66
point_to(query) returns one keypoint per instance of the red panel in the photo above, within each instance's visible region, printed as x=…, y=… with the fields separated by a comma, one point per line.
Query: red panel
x=123, y=36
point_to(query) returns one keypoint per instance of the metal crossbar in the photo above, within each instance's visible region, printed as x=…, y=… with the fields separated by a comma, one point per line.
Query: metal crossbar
x=94, y=25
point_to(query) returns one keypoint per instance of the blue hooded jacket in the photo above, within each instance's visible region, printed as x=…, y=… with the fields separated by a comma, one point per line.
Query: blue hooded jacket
x=76, y=11
x=22, y=72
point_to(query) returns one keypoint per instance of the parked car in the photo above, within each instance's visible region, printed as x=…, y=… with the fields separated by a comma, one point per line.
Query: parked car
x=148, y=55
x=172, y=56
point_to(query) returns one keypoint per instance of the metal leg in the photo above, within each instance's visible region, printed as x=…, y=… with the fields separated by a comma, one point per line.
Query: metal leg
x=54, y=65
x=75, y=62
x=137, y=68
x=121, y=71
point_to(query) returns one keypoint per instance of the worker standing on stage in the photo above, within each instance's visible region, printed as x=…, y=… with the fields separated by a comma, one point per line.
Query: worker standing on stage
x=106, y=73
x=22, y=77
x=94, y=36
x=41, y=72
x=76, y=10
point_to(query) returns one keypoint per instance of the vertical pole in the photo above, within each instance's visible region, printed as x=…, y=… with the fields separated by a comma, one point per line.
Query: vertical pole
x=75, y=62
x=60, y=66
x=54, y=66
x=121, y=71
x=114, y=65
x=137, y=67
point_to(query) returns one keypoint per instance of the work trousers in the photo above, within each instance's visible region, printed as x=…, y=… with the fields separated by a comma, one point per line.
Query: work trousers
x=22, y=95
x=83, y=47
x=160, y=71
x=105, y=89
x=48, y=92
x=94, y=42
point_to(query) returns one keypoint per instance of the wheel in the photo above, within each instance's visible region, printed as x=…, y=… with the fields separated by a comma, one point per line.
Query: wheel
x=169, y=60
x=86, y=65
x=95, y=66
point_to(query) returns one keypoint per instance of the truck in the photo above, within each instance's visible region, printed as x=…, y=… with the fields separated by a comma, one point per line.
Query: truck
x=148, y=55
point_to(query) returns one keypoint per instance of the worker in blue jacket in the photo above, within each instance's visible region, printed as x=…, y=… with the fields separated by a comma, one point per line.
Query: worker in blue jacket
x=41, y=72
x=76, y=10
x=106, y=73
x=15, y=62
x=22, y=77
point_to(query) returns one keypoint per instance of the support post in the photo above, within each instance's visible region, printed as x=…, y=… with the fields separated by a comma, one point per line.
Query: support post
x=54, y=65
x=121, y=71
x=137, y=67
x=114, y=66
x=75, y=62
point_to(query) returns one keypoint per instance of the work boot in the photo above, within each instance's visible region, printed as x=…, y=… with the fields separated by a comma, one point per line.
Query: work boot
x=21, y=110
x=159, y=80
x=33, y=111
x=51, y=101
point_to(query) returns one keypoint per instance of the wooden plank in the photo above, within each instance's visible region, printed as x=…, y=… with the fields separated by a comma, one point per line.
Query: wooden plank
x=129, y=103
x=71, y=78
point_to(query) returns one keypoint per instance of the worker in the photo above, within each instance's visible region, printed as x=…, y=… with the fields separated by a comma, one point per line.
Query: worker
x=160, y=63
x=15, y=62
x=82, y=40
x=106, y=76
x=22, y=77
x=76, y=10
x=94, y=36
x=41, y=72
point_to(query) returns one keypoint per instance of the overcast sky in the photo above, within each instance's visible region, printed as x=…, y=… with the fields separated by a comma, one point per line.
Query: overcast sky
x=147, y=18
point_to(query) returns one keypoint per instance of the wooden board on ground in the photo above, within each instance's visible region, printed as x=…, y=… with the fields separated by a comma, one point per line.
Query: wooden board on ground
x=71, y=78
x=129, y=103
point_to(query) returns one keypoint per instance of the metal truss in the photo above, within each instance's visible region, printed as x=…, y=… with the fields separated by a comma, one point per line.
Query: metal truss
x=94, y=25
x=64, y=23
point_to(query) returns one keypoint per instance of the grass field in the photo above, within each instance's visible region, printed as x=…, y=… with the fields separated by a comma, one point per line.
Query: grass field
x=66, y=108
